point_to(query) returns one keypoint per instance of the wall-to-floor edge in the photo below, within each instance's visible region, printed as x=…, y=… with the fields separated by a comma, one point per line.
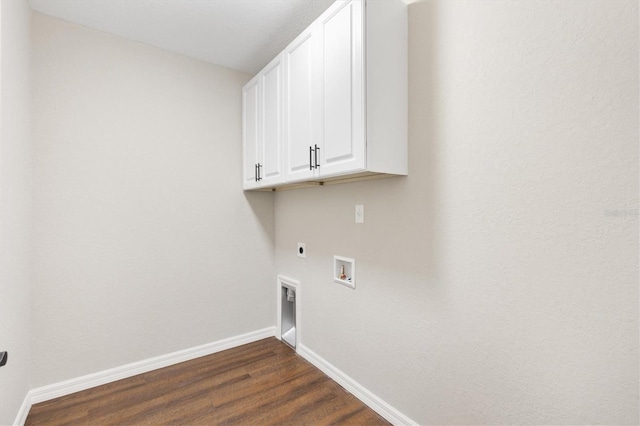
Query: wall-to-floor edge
x=67, y=387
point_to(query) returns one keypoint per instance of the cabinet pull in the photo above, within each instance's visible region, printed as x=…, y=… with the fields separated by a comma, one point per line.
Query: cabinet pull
x=255, y=172
x=315, y=154
x=259, y=178
x=310, y=163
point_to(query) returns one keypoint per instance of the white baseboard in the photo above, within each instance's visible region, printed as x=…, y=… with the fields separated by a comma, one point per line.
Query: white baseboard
x=24, y=410
x=375, y=403
x=67, y=387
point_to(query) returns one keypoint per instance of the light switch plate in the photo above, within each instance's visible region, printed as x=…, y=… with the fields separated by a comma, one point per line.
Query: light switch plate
x=359, y=213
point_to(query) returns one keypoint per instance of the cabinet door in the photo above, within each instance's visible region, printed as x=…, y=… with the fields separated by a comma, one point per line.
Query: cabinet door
x=270, y=156
x=342, y=149
x=250, y=132
x=299, y=59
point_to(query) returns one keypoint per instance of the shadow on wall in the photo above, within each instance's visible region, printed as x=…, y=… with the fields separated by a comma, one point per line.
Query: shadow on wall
x=412, y=206
x=262, y=206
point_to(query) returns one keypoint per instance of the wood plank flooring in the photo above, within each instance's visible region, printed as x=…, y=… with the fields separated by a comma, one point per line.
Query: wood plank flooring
x=262, y=383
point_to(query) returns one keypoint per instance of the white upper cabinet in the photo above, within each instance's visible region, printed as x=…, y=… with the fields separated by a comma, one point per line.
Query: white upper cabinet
x=341, y=80
x=270, y=164
x=262, y=104
x=343, y=104
x=250, y=130
x=301, y=106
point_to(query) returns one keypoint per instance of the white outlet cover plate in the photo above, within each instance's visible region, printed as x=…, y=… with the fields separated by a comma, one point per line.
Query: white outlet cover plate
x=359, y=213
x=302, y=250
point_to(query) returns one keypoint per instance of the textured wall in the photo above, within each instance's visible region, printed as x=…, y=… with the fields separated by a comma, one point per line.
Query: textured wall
x=498, y=282
x=15, y=206
x=142, y=231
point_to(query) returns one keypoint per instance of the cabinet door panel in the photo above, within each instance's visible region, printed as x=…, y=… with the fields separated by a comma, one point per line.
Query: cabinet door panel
x=299, y=100
x=250, y=132
x=338, y=100
x=271, y=171
x=342, y=90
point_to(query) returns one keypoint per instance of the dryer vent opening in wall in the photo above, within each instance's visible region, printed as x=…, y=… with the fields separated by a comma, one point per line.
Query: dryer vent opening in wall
x=288, y=318
x=288, y=315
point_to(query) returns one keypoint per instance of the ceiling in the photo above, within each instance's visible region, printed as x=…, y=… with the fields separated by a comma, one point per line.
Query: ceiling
x=239, y=34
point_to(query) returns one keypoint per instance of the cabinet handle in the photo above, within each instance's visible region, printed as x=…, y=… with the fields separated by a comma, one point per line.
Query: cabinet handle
x=259, y=178
x=315, y=154
x=310, y=163
x=255, y=172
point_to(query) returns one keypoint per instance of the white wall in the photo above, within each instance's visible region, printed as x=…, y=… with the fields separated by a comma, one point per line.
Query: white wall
x=15, y=205
x=144, y=240
x=498, y=282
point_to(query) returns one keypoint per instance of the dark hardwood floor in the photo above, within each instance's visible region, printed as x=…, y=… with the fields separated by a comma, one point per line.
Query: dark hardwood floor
x=262, y=383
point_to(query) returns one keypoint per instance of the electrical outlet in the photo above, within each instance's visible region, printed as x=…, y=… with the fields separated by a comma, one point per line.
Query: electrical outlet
x=359, y=213
x=302, y=250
